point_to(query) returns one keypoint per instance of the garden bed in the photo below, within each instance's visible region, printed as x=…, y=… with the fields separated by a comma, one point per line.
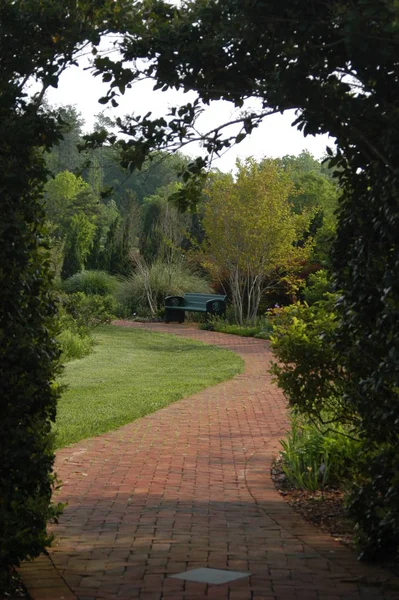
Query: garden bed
x=16, y=590
x=324, y=508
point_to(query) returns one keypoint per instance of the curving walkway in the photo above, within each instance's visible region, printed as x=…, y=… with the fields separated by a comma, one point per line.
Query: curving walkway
x=189, y=487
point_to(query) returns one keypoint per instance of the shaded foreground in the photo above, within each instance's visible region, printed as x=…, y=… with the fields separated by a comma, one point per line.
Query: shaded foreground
x=189, y=487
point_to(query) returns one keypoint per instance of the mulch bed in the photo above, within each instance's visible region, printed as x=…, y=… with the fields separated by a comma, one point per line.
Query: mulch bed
x=16, y=590
x=325, y=508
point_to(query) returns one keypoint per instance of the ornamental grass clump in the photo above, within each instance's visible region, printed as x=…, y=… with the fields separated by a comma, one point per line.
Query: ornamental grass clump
x=91, y=282
x=145, y=290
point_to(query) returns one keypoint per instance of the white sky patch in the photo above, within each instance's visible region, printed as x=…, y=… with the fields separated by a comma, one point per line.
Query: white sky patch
x=273, y=138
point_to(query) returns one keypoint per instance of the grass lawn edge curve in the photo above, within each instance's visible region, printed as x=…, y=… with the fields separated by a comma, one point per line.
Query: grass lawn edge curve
x=133, y=373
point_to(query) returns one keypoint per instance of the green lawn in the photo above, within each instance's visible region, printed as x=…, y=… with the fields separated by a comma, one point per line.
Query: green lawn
x=132, y=373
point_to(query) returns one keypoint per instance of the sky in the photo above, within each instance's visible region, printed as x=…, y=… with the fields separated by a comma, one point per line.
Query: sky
x=274, y=138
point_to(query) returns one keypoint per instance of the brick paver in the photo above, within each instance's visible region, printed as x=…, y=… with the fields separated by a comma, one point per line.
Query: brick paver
x=186, y=487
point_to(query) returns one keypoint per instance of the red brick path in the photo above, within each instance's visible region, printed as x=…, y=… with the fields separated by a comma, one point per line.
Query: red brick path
x=189, y=487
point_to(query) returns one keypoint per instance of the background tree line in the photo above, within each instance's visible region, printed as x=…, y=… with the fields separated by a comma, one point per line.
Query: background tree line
x=102, y=218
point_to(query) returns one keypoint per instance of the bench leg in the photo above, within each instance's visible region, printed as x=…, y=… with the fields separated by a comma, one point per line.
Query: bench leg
x=174, y=315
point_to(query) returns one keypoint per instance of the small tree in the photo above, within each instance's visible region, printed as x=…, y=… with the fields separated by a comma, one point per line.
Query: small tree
x=251, y=232
x=65, y=196
x=72, y=263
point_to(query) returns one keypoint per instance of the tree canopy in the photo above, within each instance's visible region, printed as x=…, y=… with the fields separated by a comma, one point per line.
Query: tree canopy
x=329, y=60
x=251, y=232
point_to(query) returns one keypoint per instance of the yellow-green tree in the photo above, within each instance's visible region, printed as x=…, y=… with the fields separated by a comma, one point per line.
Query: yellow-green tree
x=65, y=196
x=252, y=232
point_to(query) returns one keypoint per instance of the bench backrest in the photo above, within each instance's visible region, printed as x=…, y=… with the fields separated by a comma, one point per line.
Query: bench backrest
x=202, y=299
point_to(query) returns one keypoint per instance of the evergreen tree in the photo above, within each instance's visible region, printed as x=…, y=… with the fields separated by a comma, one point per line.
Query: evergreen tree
x=72, y=261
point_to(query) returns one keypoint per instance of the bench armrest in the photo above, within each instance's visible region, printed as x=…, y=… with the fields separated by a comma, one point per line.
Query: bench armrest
x=216, y=307
x=172, y=301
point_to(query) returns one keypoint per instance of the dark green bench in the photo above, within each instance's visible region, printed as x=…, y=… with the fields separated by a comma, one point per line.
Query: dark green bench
x=210, y=304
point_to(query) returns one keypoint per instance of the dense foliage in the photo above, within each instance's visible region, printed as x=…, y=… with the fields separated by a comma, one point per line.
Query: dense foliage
x=49, y=34
x=313, y=374
x=310, y=369
x=28, y=352
x=260, y=328
x=318, y=287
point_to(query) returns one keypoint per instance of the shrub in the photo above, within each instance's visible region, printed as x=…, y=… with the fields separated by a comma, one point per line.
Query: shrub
x=149, y=285
x=29, y=353
x=82, y=313
x=309, y=368
x=91, y=282
x=317, y=288
x=314, y=373
x=74, y=345
x=79, y=314
x=373, y=503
